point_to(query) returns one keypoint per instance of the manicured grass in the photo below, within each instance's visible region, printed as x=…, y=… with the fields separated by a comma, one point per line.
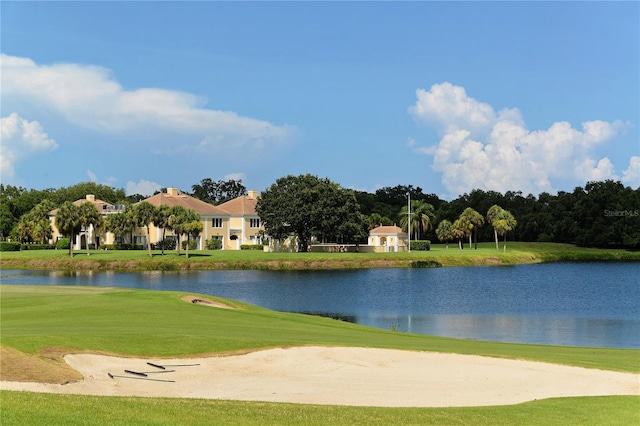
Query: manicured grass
x=486, y=254
x=39, y=323
x=23, y=408
x=150, y=323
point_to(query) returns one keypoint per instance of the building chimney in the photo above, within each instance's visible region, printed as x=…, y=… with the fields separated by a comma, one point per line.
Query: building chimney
x=91, y=197
x=172, y=191
x=253, y=194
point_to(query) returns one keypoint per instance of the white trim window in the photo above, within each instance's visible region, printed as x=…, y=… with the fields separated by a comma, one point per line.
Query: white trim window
x=216, y=222
x=254, y=222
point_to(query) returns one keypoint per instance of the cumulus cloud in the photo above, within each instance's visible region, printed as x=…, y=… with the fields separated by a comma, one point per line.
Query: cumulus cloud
x=20, y=139
x=90, y=96
x=631, y=176
x=143, y=187
x=482, y=148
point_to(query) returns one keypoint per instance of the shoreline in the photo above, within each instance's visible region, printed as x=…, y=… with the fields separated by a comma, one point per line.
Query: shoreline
x=134, y=261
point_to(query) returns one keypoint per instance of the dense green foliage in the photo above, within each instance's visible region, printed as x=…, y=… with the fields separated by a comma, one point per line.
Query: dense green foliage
x=307, y=206
x=7, y=246
x=600, y=214
x=218, y=192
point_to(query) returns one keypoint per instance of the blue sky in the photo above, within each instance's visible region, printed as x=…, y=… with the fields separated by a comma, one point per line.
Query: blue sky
x=523, y=96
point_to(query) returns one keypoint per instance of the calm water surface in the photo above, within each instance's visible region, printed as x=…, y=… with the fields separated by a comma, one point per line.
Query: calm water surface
x=595, y=304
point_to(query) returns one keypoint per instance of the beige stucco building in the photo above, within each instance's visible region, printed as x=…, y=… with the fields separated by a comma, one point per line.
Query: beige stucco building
x=92, y=235
x=234, y=223
x=389, y=238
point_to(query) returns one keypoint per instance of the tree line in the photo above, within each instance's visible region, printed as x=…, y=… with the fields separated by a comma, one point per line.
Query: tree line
x=600, y=214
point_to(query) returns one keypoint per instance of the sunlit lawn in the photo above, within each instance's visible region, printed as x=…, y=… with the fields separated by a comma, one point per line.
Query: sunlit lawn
x=149, y=323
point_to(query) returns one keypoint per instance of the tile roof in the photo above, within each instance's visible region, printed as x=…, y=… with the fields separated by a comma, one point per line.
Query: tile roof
x=185, y=201
x=100, y=205
x=240, y=206
x=387, y=230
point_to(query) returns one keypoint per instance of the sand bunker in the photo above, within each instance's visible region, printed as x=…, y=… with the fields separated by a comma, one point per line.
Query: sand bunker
x=341, y=376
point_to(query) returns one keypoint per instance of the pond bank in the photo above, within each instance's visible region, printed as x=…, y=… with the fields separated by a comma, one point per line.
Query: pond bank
x=485, y=255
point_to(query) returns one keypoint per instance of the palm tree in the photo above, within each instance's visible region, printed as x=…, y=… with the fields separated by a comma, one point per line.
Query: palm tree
x=163, y=212
x=472, y=220
x=68, y=222
x=459, y=231
x=422, y=215
x=144, y=214
x=89, y=218
x=492, y=215
x=192, y=226
x=505, y=223
x=444, y=232
x=119, y=223
x=176, y=222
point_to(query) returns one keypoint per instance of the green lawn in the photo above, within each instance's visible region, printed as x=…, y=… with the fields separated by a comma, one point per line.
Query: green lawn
x=486, y=254
x=148, y=323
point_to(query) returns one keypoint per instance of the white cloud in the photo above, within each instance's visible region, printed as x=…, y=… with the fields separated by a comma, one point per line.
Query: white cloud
x=143, y=187
x=20, y=139
x=235, y=176
x=90, y=96
x=631, y=176
x=483, y=149
x=92, y=176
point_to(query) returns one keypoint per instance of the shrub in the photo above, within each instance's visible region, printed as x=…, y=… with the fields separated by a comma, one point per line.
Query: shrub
x=37, y=247
x=252, y=247
x=421, y=245
x=192, y=245
x=425, y=264
x=63, y=244
x=7, y=246
x=167, y=244
x=213, y=244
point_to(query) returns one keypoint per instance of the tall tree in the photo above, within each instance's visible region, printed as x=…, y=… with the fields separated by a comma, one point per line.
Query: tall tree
x=422, y=217
x=492, y=215
x=68, y=222
x=192, y=226
x=218, y=192
x=307, y=206
x=144, y=214
x=176, y=222
x=459, y=231
x=444, y=232
x=163, y=212
x=120, y=223
x=504, y=223
x=89, y=218
x=472, y=220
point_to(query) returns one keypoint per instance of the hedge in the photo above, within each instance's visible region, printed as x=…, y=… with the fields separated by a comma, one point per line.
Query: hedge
x=7, y=246
x=252, y=247
x=37, y=247
x=421, y=245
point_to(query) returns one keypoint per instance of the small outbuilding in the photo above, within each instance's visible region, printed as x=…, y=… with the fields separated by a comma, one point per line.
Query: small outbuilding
x=388, y=238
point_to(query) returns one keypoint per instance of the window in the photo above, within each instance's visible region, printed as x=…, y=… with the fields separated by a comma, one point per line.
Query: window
x=216, y=222
x=254, y=223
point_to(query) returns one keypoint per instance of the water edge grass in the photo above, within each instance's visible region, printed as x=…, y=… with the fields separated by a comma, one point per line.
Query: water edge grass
x=439, y=255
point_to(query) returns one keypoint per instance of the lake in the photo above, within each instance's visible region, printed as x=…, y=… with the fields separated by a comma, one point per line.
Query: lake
x=574, y=304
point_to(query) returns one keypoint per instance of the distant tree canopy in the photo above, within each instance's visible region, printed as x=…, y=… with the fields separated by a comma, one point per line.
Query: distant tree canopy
x=218, y=192
x=307, y=206
x=601, y=214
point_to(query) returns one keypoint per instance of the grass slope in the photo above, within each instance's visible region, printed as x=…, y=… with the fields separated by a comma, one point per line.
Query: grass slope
x=22, y=408
x=39, y=324
x=486, y=254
